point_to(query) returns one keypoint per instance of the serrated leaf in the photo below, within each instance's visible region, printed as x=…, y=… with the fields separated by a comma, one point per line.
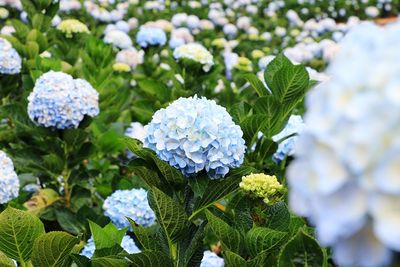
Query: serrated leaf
x=278, y=217
x=150, y=259
x=257, y=85
x=233, y=260
x=109, y=262
x=301, y=250
x=229, y=236
x=240, y=111
x=80, y=261
x=170, y=214
x=51, y=249
x=260, y=239
x=218, y=190
x=147, y=239
x=18, y=231
x=192, y=247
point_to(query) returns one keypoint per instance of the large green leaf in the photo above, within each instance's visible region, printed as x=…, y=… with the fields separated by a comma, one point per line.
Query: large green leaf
x=278, y=217
x=229, y=236
x=170, y=214
x=302, y=250
x=260, y=239
x=233, y=260
x=150, y=259
x=51, y=249
x=145, y=236
x=218, y=190
x=109, y=262
x=191, y=249
x=18, y=231
x=240, y=111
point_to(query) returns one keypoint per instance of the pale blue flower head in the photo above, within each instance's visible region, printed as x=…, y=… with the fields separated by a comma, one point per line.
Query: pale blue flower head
x=194, y=134
x=10, y=61
x=129, y=203
x=295, y=125
x=210, y=259
x=60, y=101
x=148, y=36
x=128, y=244
x=9, y=183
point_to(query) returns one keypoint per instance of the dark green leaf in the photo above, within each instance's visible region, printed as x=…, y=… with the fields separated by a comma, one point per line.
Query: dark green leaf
x=260, y=239
x=229, y=237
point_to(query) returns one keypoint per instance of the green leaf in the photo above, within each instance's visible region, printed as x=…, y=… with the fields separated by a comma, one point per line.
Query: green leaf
x=278, y=217
x=192, y=247
x=156, y=89
x=240, y=111
x=260, y=239
x=5, y=261
x=69, y=222
x=229, y=237
x=256, y=84
x=106, y=237
x=218, y=190
x=145, y=236
x=51, y=249
x=74, y=137
x=170, y=214
x=301, y=250
x=110, y=262
x=233, y=260
x=18, y=231
x=81, y=261
x=150, y=259
x=252, y=125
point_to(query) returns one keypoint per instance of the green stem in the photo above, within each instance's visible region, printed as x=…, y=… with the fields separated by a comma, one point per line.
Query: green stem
x=66, y=173
x=173, y=251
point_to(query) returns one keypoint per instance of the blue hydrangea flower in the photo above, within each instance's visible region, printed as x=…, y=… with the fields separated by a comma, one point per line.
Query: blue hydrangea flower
x=10, y=61
x=9, y=183
x=194, y=134
x=128, y=244
x=129, y=203
x=295, y=125
x=210, y=259
x=60, y=101
x=148, y=36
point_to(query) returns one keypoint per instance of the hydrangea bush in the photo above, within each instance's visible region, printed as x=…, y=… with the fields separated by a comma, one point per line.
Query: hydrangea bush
x=198, y=133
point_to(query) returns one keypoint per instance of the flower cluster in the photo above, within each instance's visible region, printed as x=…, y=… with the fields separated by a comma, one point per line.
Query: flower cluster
x=195, y=52
x=129, y=203
x=10, y=61
x=148, y=36
x=118, y=39
x=345, y=177
x=130, y=57
x=72, y=26
x=261, y=185
x=295, y=125
x=127, y=243
x=9, y=183
x=193, y=134
x=60, y=101
x=210, y=259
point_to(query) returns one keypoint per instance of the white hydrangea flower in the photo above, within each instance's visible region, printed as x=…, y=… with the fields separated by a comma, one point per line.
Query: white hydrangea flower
x=118, y=39
x=195, y=52
x=345, y=178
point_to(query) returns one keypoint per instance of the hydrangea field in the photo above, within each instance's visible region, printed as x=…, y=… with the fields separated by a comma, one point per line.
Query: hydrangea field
x=209, y=133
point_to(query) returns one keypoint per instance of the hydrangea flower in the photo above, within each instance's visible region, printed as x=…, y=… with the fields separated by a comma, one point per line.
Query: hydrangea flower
x=118, y=39
x=195, y=52
x=295, y=125
x=345, y=177
x=10, y=61
x=128, y=244
x=194, y=134
x=9, y=183
x=148, y=36
x=261, y=185
x=72, y=26
x=130, y=56
x=129, y=203
x=210, y=259
x=60, y=101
